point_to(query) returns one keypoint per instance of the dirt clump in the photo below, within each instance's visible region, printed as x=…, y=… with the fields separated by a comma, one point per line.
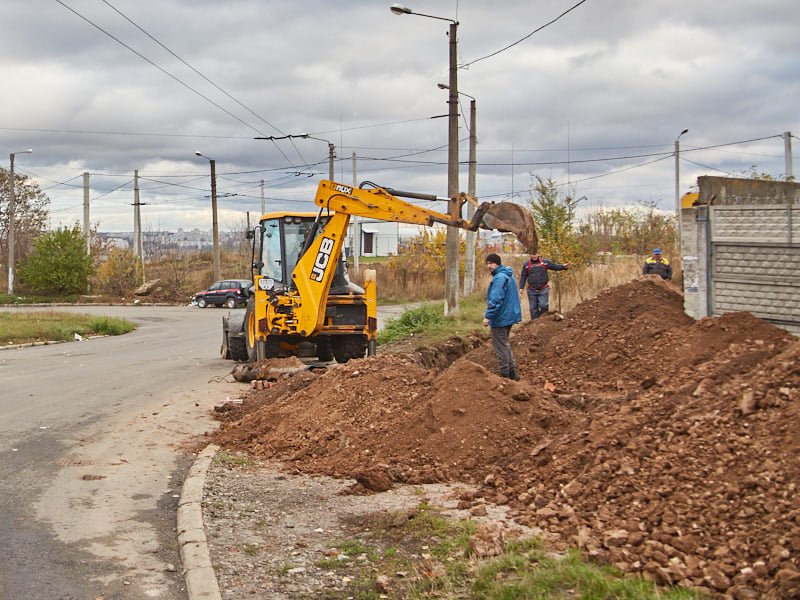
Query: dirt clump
x=663, y=445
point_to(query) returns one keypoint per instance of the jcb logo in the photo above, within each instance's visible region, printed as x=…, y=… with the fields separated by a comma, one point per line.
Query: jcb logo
x=343, y=189
x=322, y=260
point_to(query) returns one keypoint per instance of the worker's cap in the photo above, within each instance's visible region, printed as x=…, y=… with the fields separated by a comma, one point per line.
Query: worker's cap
x=656, y=250
x=494, y=258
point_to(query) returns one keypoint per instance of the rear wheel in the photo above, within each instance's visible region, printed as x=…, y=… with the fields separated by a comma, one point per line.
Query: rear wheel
x=346, y=347
x=230, y=302
x=201, y=302
x=324, y=350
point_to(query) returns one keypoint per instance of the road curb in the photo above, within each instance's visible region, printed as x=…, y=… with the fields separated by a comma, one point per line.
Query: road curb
x=201, y=581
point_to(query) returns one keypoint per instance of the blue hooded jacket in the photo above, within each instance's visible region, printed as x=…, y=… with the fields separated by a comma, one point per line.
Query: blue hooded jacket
x=502, y=306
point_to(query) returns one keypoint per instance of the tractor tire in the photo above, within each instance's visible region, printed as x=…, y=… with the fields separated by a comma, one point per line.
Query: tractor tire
x=324, y=350
x=346, y=347
x=233, y=341
x=237, y=348
x=201, y=302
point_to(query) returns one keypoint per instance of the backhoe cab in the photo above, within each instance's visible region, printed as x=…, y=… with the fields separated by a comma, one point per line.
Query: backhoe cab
x=302, y=301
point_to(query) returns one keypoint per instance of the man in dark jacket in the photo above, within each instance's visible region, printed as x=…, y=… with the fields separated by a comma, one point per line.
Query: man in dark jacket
x=657, y=265
x=502, y=311
x=534, y=278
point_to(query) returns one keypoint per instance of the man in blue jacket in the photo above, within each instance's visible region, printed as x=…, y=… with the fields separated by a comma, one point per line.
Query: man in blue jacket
x=502, y=311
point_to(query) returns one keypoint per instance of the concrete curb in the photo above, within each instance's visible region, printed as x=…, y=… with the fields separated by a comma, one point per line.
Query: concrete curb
x=201, y=581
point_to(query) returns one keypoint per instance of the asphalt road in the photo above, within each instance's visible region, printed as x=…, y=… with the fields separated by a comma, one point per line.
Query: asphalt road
x=95, y=439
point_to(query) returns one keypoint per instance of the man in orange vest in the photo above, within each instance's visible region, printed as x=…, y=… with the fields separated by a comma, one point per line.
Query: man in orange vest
x=657, y=265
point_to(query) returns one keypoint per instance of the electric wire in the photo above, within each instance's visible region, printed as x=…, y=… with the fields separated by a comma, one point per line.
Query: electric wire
x=167, y=73
x=537, y=30
x=247, y=108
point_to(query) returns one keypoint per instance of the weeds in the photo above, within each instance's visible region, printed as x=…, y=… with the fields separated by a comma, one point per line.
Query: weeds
x=228, y=458
x=18, y=327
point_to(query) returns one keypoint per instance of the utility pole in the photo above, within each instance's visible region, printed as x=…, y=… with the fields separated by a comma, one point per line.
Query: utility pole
x=787, y=152
x=471, y=236
x=138, y=246
x=263, y=210
x=12, y=225
x=331, y=156
x=356, y=243
x=452, y=238
x=86, y=234
x=214, y=223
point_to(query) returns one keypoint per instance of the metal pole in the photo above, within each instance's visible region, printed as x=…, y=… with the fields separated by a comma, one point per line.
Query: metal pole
x=214, y=224
x=263, y=208
x=11, y=226
x=356, y=245
x=471, y=236
x=86, y=234
x=787, y=152
x=331, y=155
x=452, y=238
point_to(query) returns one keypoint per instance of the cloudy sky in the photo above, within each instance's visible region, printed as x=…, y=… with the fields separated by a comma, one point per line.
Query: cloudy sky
x=593, y=99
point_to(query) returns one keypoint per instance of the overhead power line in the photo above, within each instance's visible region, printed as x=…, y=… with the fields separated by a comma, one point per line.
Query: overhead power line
x=167, y=73
x=537, y=30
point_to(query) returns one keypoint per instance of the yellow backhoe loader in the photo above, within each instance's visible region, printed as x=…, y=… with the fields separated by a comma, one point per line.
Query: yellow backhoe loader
x=302, y=301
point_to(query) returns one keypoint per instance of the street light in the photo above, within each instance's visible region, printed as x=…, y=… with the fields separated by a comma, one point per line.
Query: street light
x=214, y=224
x=677, y=173
x=11, y=223
x=454, y=208
x=306, y=136
x=470, y=239
x=678, y=192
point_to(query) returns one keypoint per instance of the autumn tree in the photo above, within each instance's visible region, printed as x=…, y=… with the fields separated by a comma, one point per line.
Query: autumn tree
x=30, y=214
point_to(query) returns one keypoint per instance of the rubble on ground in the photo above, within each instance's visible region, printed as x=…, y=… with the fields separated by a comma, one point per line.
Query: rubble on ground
x=663, y=445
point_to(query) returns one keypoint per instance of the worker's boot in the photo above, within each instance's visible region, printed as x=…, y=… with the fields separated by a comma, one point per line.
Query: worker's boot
x=513, y=374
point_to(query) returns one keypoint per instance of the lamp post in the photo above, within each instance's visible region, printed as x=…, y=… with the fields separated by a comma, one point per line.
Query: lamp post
x=214, y=224
x=11, y=224
x=678, y=192
x=454, y=208
x=677, y=173
x=470, y=238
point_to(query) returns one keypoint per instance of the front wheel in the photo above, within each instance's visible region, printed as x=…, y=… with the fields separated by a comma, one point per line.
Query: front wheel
x=346, y=347
x=201, y=302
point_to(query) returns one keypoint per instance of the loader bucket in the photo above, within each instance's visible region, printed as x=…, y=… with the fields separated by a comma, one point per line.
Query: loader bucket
x=513, y=218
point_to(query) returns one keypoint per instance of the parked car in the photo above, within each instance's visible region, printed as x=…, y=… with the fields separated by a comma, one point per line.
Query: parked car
x=228, y=292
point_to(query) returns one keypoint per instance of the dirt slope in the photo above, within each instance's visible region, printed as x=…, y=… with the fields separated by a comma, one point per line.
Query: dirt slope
x=665, y=446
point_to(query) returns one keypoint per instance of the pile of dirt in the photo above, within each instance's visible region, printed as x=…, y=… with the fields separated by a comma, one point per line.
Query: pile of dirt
x=663, y=445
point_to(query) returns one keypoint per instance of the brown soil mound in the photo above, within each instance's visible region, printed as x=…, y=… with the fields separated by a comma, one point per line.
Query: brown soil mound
x=660, y=444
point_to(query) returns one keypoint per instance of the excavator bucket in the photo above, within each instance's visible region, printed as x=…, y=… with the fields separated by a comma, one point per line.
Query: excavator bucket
x=513, y=218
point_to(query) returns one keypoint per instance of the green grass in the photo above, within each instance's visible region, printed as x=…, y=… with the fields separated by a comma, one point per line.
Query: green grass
x=20, y=327
x=228, y=458
x=14, y=299
x=434, y=554
x=428, y=322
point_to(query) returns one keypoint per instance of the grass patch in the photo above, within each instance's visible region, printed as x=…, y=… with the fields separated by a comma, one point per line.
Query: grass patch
x=428, y=324
x=18, y=327
x=231, y=459
x=426, y=555
x=14, y=299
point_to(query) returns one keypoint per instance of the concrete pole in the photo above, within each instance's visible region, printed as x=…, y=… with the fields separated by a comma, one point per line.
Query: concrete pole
x=470, y=241
x=214, y=222
x=356, y=243
x=86, y=233
x=787, y=152
x=331, y=156
x=11, y=226
x=137, y=225
x=263, y=207
x=452, y=240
